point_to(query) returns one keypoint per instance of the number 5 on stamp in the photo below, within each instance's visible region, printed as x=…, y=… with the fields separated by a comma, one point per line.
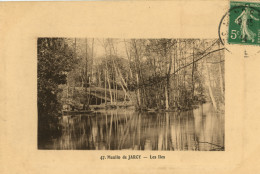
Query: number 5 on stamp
x=244, y=23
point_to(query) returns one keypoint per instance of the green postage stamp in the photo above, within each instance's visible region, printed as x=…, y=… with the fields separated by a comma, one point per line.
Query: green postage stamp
x=244, y=23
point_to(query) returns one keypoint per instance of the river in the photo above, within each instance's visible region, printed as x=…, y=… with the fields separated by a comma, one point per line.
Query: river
x=201, y=129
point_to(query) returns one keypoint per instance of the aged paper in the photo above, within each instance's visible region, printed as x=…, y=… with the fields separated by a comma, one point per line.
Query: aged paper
x=22, y=23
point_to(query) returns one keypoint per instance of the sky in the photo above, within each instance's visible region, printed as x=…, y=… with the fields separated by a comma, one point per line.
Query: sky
x=99, y=50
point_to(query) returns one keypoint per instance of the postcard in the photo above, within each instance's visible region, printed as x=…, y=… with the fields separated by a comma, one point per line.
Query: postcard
x=130, y=87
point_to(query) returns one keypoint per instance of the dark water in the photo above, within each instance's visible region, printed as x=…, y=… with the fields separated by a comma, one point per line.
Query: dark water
x=200, y=129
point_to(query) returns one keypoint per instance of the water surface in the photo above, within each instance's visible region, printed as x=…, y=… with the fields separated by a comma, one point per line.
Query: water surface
x=200, y=129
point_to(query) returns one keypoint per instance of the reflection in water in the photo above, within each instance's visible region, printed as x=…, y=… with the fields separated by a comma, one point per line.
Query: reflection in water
x=201, y=129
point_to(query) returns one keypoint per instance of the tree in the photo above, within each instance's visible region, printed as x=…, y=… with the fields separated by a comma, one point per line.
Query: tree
x=55, y=60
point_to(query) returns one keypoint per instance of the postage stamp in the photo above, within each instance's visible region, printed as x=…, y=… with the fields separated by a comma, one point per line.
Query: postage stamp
x=244, y=23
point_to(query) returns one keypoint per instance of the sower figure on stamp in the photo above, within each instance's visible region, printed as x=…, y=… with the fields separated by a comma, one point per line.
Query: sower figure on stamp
x=243, y=19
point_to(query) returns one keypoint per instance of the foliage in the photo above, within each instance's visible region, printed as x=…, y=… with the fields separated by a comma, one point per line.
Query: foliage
x=151, y=73
x=55, y=60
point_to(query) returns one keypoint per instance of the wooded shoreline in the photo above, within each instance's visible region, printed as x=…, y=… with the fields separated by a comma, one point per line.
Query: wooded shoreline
x=146, y=74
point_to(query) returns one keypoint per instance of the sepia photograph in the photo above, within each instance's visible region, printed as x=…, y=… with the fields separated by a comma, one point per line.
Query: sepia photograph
x=131, y=94
x=129, y=86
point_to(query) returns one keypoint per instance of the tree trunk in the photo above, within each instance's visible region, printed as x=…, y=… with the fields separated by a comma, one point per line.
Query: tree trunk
x=174, y=75
x=193, y=66
x=209, y=86
x=221, y=80
x=105, y=87
x=129, y=60
x=166, y=98
x=122, y=82
x=220, y=76
x=109, y=88
x=138, y=90
x=116, y=94
x=137, y=70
